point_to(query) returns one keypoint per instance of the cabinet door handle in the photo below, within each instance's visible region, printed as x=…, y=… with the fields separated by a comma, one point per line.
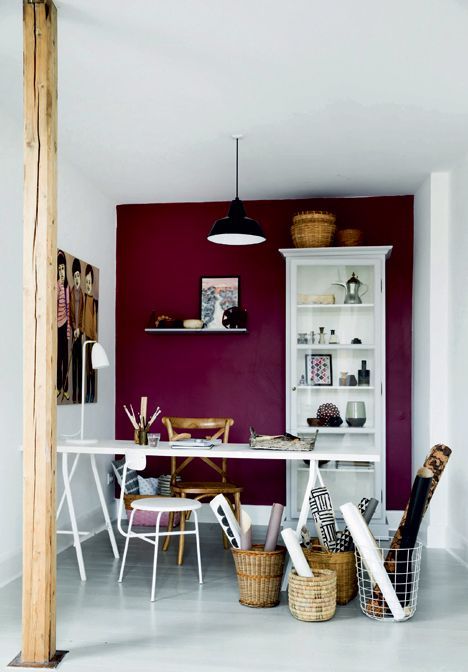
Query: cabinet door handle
x=293, y=389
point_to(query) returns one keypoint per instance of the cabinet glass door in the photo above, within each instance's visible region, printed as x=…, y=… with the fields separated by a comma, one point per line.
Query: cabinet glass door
x=335, y=367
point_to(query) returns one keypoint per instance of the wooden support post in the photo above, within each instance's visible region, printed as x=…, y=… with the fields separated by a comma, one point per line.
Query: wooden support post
x=39, y=334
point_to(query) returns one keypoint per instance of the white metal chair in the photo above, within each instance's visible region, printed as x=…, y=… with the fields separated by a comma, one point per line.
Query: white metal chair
x=159, y=505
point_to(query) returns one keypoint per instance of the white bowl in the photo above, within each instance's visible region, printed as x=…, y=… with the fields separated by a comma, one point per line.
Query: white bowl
x=193, y=324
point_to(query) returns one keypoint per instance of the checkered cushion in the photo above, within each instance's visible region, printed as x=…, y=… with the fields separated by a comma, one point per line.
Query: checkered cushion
x=148, y=486
x=131, y=481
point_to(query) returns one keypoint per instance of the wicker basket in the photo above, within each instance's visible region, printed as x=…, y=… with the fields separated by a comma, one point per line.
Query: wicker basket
x=349, y=237
x=313, y=229
x=343, y=564
x=312, y=599
x=259, y=575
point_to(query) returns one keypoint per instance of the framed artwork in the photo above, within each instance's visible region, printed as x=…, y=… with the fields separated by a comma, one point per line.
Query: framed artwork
x=77, y=322
x=217, y=294
x=318, y=369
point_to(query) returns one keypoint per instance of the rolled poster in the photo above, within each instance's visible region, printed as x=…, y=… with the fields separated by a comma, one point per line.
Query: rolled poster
x=245, y=531
x=296, y=553
x=274, y=525
x=323, y=514
x=226, y=519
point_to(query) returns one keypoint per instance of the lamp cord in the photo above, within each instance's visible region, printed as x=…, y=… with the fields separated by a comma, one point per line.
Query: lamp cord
x=237, y=167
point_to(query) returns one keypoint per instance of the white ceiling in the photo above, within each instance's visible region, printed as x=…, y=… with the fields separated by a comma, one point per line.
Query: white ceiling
x=341, y=97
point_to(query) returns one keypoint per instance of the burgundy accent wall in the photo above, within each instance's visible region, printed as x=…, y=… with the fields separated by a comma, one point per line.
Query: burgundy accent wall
x=161, y=253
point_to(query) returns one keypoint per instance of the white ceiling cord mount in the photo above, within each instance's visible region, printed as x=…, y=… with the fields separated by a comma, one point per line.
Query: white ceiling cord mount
x=236, y=228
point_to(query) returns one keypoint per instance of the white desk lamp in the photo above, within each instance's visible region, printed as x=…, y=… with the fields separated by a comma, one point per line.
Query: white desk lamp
x=99, y=360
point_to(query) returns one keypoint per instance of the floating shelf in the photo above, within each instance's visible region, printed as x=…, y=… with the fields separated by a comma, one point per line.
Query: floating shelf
x=329, y=306
x=151, y=330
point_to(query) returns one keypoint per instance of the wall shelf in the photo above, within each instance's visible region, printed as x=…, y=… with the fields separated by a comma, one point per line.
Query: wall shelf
x=329, y=306
x=151, y=330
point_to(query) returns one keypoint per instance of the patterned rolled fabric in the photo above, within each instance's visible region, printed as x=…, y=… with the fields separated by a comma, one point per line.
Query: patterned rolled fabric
x=323, y=514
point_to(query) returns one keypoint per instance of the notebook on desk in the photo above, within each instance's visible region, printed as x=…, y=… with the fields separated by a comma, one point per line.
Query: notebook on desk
x=195, y=443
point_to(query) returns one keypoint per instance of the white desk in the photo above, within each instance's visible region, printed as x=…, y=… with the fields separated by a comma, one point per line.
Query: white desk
x=239, y=451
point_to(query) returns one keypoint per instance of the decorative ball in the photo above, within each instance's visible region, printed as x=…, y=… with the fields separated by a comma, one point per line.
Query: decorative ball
x=329, y=414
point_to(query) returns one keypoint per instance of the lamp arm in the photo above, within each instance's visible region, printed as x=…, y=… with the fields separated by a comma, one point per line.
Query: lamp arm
x=83, y=376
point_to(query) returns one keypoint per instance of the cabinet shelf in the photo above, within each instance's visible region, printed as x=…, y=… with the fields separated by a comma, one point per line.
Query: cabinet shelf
x=327, y=346
x=336, y=430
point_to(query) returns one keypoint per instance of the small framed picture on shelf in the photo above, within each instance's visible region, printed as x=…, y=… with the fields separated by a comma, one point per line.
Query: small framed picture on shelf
x=318, y=369
x=217, y=294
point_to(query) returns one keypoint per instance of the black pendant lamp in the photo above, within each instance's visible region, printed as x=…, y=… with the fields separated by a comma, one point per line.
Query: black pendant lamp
x=236, y=228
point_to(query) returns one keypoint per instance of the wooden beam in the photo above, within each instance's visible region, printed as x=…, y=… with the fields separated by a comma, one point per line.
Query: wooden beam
x=39, y=331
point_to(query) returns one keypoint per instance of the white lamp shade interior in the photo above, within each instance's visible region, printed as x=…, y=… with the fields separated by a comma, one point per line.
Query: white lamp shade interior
x=99, y=359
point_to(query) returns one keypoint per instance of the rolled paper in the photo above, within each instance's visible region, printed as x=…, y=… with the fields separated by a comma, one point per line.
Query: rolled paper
x=274, y=525
x=403, y=556
x=370, y=555
x=367, y=509
x=323, y=514
x=296, y=553
x=370, y=509
x=436, y=461
x=305, y=537
x=226, y=519
x=245, y=531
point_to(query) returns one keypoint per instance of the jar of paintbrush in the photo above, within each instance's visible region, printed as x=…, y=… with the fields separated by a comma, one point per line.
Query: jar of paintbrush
x=142, y=424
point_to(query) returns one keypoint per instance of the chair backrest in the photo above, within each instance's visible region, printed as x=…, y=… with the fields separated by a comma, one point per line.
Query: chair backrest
x=220, y=425
x=133, y=460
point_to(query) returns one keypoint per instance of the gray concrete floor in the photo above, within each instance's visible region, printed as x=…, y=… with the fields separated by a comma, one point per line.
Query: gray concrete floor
x=190, y=628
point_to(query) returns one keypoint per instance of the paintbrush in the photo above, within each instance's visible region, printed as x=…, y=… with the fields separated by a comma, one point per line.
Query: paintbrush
x=131, y=418
x=153, y=417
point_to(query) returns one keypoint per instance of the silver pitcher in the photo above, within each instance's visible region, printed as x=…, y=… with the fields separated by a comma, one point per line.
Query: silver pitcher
x=352, y=288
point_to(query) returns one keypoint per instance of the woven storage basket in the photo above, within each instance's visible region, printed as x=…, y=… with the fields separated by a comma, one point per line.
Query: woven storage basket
x=343, y=564
x=259, y=575
x=312, y=599
x=147, y=518
x=313, y=229
x=349, y=237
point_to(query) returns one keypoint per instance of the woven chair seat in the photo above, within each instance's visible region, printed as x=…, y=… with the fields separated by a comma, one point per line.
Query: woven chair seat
x=202, y=487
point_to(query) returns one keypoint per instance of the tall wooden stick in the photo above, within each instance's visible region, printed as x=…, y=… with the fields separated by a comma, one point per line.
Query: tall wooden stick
x=39, y=330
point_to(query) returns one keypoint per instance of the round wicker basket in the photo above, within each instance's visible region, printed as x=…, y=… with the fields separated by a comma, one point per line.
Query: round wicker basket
x=259, y=575
x=349, y=237
x=343, y=564
x=312, y=599
x=313, y=228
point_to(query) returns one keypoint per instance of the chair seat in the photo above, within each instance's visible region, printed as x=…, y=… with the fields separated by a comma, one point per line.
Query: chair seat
x=165, y=504
x=201, y=487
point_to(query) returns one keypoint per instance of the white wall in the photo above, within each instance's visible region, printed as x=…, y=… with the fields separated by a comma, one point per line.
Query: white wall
x=457, y=504
x=430, y=339
x=86, y=228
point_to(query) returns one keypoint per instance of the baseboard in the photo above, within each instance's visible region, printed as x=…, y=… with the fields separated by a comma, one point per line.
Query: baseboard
x=11, y=567
x=11, y=564
x=92, y=522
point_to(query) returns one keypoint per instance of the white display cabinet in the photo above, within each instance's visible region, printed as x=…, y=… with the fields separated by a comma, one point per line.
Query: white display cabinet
x=359, y=329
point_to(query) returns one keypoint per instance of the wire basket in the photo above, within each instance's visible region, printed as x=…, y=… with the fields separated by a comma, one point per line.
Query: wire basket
x=403, y=566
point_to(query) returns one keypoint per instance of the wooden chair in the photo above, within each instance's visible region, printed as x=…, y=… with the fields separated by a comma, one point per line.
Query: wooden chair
x=199, y=489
